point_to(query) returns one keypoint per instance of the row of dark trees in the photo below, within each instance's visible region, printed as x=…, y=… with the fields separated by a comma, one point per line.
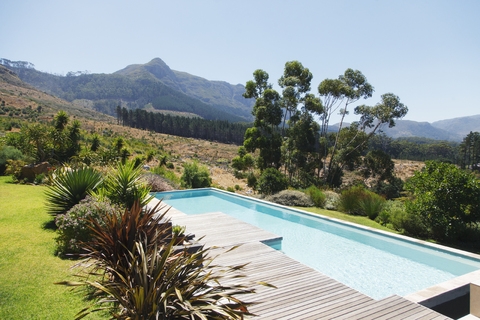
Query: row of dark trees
x=215, y=130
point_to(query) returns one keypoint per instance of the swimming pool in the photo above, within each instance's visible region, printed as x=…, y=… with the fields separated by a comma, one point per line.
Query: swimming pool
x=375, y=264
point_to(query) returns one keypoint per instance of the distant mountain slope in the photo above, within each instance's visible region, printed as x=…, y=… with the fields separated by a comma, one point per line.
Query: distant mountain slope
x=19, y=95
x=408, y=128
x=461, y=126
x=219, y=94
x=106, y=91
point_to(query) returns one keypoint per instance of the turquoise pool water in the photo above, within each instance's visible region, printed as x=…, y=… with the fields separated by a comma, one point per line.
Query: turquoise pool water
x=372, y=263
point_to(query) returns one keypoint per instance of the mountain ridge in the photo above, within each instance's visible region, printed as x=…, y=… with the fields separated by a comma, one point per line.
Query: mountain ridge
x=219, y=94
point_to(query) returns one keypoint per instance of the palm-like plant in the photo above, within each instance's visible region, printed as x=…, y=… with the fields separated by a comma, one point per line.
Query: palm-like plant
x=124, y=186
x=69, y=186
x=135, y=265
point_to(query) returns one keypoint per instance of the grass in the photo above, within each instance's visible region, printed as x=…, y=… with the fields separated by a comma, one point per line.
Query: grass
x=28, y=266
x=364, y=221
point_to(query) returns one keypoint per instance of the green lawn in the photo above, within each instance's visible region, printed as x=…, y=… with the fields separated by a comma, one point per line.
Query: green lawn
x=364, y=221
x=28, y=266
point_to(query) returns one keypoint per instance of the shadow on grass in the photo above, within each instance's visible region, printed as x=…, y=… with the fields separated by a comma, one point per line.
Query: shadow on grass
x=50, y=225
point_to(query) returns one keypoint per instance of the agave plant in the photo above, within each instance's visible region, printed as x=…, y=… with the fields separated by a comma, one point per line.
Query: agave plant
x=124, y=186
x=69, y=186
x=134, y=265
x=371, y=205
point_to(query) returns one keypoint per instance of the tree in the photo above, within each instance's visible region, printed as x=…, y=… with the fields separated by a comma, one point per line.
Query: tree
x=195, y=176
x=470, y=151
x=446, y=198
x=61, y=120
x=272, y=181
x=379, y=165
x=95, y=142
x=268, y=114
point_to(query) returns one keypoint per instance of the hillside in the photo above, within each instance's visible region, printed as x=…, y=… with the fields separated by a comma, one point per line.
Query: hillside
x=461, y=125
x=219, y=94
x=103, y=92
x=408, y=128
x=17, y=95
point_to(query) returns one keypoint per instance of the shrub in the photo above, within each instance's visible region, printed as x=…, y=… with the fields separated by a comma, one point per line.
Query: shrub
x=230, y=189
x=237, y=187
x=39, y=178
x=331, y=200
x=69, y=187
x=174, y=181
x=149, y=279
x=137, y=161
x=170, y=165
x=195, y=176
x=445, y=198
x=8, y=153
x=74, y=225
x=252, y=181
x=408, y=223
x=14, y=168
x=272, y=181
x=371, y=205
x=317, y=196
x=124, y=186
x=157, y=183
x=349, y=201
x=291, y=198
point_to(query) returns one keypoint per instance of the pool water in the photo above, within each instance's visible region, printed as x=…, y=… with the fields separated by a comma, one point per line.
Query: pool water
x=372, y=263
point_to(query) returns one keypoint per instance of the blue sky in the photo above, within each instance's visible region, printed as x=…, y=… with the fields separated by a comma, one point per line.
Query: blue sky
x=426, y=52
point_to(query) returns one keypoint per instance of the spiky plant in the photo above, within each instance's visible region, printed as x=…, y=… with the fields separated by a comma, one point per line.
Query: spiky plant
x=123, y=185
x=69, y=186
x=145, y=277
x=371, y=205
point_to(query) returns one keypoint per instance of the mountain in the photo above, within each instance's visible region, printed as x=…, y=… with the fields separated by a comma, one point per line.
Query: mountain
x=461, y=125
x=17, y=95
x=219, y=94
x=408, y=128
x=103, y=92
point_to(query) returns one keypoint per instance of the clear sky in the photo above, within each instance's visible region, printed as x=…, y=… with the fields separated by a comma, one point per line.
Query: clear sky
x=425, y=51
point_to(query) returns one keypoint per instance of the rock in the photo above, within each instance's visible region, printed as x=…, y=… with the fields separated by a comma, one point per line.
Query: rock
x=32, y=170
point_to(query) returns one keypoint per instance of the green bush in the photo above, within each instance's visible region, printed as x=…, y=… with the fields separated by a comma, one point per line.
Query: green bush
x=272, y=181
x=14, y=168
x=69, y=187
x=230, y=189
x=446, y=199
x=74, y=226
x=195, y=176
x=349, y=201
x=252, y=181
x=124, y=186
x=409, y=223
x=237, y=187
x=371, y=205
x=8, y=153
x=170, y=165
x=317, y=196
x=291, y=198
x=170, y=175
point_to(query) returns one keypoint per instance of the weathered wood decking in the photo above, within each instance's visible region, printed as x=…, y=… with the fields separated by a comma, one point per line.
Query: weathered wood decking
x=302, y=292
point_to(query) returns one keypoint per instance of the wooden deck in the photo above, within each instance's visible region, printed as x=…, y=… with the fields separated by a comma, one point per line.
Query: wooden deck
x=302, y=292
